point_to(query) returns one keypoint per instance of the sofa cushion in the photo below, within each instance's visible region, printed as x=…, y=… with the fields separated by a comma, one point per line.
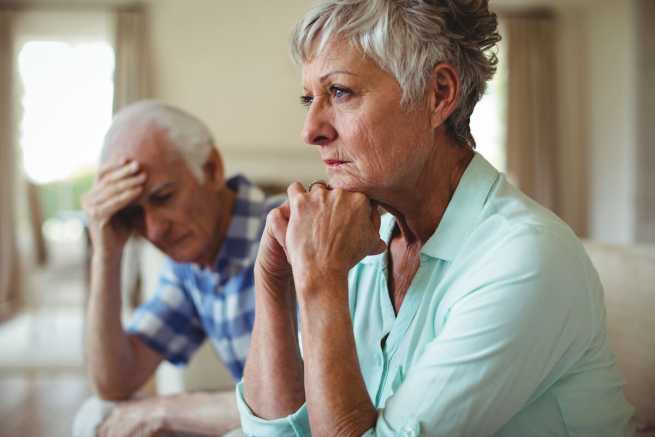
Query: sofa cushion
x=628, y=276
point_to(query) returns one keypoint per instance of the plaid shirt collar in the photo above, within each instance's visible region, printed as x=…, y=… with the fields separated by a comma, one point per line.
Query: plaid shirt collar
x=239, y=248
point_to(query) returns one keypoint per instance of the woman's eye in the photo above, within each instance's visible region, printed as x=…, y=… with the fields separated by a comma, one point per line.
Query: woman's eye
x=340, y=93
x=306, y=100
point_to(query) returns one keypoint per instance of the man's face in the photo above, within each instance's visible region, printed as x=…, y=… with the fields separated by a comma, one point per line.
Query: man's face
x=175, y=212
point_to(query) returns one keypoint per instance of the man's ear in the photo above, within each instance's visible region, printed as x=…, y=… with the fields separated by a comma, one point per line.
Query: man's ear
x=213, y=169
x=444, y=93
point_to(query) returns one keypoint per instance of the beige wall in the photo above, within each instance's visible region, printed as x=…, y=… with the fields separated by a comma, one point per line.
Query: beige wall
x=645, y=155
x=573, y=120
x=597, y=116
x=612, y=135
x=228, y=63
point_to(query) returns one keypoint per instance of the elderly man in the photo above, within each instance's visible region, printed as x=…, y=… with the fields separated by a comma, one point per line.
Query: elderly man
x=162, y=178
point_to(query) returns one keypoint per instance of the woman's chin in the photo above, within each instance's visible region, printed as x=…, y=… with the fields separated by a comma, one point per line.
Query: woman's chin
x=344, y=182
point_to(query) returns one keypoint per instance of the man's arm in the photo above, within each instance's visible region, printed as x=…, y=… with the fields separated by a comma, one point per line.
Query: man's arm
x=118, y=364
x=196, y=413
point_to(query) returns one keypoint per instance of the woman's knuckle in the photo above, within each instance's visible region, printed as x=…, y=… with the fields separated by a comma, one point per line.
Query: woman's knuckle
x=359, y=197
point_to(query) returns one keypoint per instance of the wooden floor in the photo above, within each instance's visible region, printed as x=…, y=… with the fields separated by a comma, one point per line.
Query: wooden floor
x=42, y=382
x=40, y=404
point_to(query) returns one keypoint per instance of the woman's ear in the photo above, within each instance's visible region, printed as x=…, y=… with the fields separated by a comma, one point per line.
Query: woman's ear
x=213, y=169
x=444, y=91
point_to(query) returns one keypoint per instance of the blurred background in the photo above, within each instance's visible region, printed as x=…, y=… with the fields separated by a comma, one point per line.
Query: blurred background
x=570, y=118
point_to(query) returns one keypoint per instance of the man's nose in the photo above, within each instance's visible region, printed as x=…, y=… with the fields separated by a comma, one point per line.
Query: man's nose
x=319, y=129
x=156, y=226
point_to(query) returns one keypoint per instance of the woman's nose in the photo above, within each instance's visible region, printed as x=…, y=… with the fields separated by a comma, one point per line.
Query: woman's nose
x=319, y=129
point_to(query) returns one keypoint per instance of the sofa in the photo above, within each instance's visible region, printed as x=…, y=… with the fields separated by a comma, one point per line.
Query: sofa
x=628, y=276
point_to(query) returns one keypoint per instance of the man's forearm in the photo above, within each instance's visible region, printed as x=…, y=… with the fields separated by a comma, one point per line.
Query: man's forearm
x=196, y=414
x=201, y=413
x=108, y=352
x=273, y=377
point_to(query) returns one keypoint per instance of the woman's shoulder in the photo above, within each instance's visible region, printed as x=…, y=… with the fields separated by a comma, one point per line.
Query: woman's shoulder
x=513, y=222
x=517, y=241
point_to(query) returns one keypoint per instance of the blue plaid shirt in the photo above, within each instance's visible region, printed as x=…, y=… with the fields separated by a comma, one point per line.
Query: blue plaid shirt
x=191, y=303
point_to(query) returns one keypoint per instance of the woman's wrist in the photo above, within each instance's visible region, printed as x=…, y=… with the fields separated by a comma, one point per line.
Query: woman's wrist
x=273, y=292
x=321, y=285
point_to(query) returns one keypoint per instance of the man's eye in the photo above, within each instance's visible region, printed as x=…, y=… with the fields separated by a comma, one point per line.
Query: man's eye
x=306, y=100
x=161, y=198
x=131, y=215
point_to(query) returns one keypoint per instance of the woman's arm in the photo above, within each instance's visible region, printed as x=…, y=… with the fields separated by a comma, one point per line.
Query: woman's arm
x=273, y=377
x=337, y=400
x=328, y=232
x=320, y=236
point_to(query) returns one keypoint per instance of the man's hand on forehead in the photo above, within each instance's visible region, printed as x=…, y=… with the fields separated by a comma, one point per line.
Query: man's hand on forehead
x=118, y=185
x=122, y=166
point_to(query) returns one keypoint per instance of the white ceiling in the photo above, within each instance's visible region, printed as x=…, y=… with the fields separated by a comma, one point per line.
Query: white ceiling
x=502, y=3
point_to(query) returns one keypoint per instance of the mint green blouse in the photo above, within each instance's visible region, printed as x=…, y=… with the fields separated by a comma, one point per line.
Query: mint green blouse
x=502, y=332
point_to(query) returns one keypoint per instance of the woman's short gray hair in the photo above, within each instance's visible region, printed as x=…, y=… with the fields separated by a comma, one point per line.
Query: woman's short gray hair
x=408, y=38
x=190, y=136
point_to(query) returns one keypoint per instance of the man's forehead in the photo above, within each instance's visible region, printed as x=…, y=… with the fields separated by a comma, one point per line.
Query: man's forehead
x=149, y=147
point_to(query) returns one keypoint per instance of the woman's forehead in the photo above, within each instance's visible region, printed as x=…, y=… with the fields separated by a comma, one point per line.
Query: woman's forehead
x=339, y=57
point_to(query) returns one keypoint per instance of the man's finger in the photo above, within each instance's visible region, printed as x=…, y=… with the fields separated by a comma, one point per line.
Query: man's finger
x=108, y=190
x=125, y=170
x=111, y=206
x=106, y=168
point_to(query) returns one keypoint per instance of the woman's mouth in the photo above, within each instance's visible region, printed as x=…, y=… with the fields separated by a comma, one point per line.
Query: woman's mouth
x=334, y=163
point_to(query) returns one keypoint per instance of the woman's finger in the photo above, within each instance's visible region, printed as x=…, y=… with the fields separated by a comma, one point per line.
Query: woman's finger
x=295, y=192
x=320, y=184
x=279, y=224
x=285, y=210
x=294, y=189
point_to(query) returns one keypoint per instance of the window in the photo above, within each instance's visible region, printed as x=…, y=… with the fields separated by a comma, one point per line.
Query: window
x=67, y=107
x=65, y=86
x=489, y=120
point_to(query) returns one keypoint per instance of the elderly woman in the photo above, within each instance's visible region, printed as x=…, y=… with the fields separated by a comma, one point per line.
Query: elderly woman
x=467, y=309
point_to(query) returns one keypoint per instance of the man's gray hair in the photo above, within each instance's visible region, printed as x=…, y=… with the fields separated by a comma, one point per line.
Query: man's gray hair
x=408, y=38
x=190, y=136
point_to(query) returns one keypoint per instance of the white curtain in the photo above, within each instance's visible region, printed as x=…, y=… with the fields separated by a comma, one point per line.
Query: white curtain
x=645, y=179
x=532, y=134
x=9, y=260
x=131, y=74
x=131, y=84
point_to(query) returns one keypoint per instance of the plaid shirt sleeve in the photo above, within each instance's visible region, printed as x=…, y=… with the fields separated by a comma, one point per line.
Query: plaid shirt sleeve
x=169, y=322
